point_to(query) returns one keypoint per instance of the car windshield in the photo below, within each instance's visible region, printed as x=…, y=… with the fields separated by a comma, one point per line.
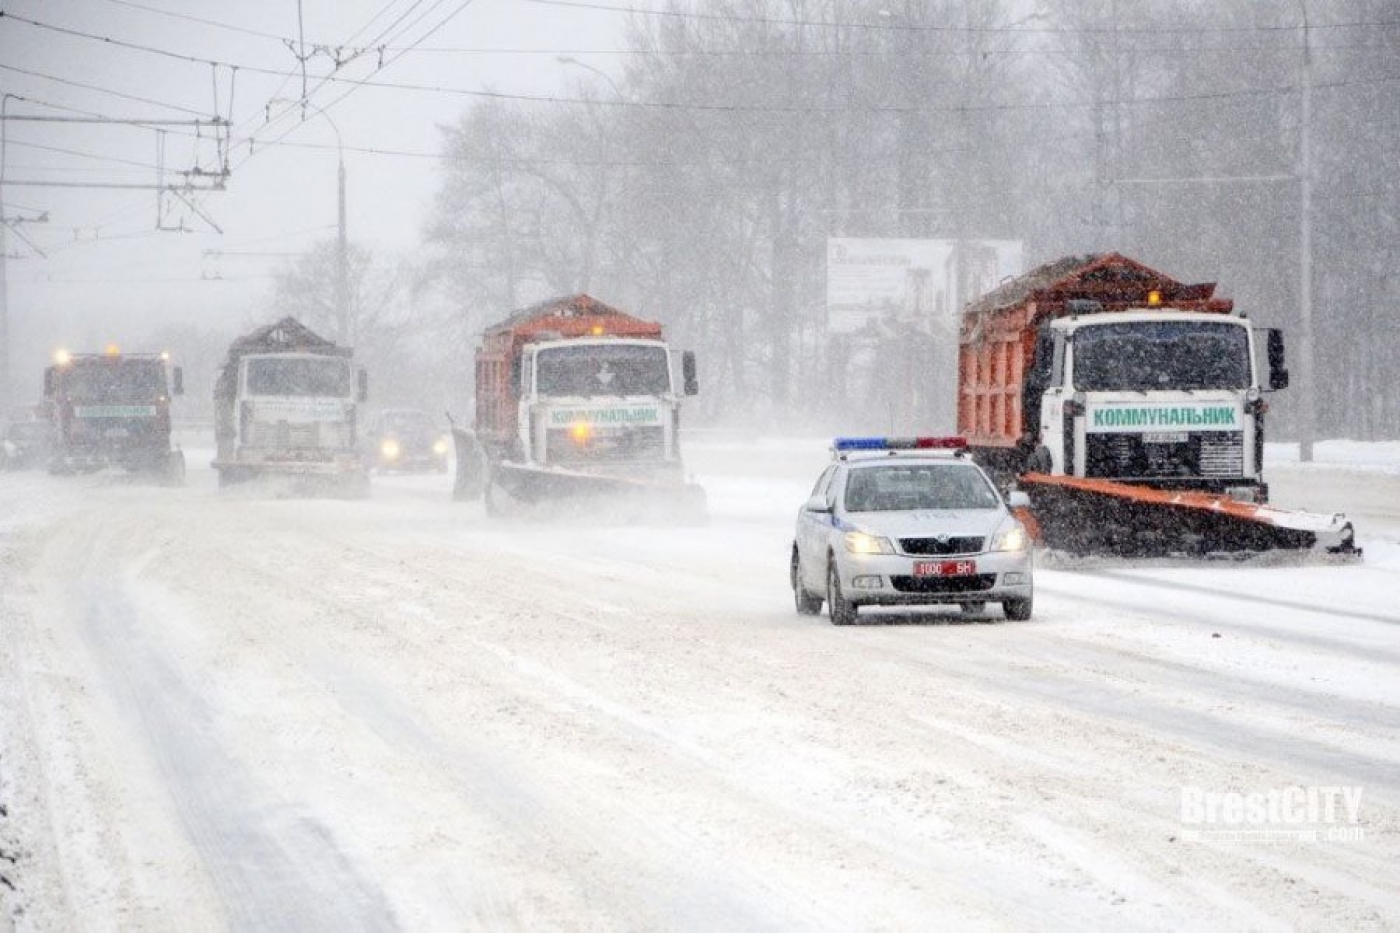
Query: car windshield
x=1142, y=356
x=114, y=380
x=908, y=487
x=409, y=421
x=603, y=369
x=326, y=377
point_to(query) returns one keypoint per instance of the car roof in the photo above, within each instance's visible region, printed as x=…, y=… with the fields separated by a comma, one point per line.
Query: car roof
x=884, y=459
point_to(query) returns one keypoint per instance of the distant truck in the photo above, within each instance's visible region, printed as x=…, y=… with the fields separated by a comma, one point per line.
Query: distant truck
x=1131, y=406
x=112, y=409
x=578, y=401
x=285, y=406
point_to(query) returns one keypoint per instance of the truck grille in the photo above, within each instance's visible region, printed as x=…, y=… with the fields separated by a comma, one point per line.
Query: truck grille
x=954, y=545
x=971, y=584
x=1128, y=456
x=286, y=436
x=613, y=444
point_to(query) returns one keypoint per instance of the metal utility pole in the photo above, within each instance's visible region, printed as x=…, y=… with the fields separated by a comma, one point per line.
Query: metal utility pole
x=342, y=250
x=1307, y=410
x=4, y=315
x=342, y=254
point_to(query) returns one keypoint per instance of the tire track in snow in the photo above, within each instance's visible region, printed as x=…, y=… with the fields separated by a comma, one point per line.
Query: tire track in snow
x=274, y=868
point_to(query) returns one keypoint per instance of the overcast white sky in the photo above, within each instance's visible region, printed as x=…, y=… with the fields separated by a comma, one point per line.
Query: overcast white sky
x=108, y=270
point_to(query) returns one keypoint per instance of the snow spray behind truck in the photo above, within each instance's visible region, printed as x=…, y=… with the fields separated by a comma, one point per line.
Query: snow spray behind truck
x=1131, y=408
x=577, y=401
x=285, y=406
x=112, y=409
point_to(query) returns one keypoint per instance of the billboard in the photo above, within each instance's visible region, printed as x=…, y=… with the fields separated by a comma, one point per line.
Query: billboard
x=917, y=283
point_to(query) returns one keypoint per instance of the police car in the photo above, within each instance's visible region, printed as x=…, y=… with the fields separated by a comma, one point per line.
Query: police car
x=909, y=522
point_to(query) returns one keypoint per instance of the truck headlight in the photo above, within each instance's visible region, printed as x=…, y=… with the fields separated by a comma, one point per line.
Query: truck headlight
x=390, y=449
x=858, y=542
x=440, y=447
x=1011, y=538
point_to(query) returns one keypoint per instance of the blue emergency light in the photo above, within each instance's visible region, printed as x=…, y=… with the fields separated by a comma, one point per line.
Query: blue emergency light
x=843, y=444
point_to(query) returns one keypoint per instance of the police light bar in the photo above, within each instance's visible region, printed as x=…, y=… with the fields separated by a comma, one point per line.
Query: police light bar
x=898, y=443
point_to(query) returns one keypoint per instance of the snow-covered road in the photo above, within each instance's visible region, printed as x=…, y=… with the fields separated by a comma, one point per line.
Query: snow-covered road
x=224, y=711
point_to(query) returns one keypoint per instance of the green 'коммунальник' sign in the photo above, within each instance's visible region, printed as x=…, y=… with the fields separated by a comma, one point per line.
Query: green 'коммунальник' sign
x=1153, y=417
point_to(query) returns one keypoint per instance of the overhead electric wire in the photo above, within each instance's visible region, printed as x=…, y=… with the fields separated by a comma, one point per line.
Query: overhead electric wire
x=895, y=52
x=103, y=90
x=78, y=152
x=357, y=84
x=200, y=20
x=932, y=27
x=705, y=107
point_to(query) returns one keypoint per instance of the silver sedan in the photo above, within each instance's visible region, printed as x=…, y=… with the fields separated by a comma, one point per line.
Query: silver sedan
x=893, y=528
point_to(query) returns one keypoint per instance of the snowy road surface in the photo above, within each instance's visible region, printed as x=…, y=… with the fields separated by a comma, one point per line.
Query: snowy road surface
x=227, y=712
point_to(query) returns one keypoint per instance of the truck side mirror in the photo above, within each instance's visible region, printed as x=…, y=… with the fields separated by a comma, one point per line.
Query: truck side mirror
x=1278, y=373
x=48, y=382
x=364, y=385
x=177, y=377
x=689, y=376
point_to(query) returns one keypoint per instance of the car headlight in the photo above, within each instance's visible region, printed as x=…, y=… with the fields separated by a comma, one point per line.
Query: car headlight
x=1011, y=538
x=440, y=447
x=389, y=449
x=858, y=542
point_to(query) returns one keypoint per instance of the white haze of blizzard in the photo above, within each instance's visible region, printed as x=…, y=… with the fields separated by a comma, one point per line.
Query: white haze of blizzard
x=796, y=813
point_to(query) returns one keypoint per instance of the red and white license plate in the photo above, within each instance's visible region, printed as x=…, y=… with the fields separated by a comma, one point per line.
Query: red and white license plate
x=944, y=568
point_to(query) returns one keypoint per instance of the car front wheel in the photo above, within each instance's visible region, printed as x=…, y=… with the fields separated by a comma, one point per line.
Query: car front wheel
x=1017, y=610
x=842, y=611
x=807, y=604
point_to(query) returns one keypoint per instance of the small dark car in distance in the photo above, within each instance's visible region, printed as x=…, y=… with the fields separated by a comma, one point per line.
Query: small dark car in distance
x=405, y=440
x=25, y=440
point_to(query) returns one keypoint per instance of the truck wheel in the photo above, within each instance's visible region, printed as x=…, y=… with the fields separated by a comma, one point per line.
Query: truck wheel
x=496, y=500
x=1040, y=461
x=1018, y=610
x=842, y=612
x=175, y=469
x=807, y=604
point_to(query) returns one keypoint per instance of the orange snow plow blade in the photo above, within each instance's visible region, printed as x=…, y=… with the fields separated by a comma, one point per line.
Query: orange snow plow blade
x=1097, y=516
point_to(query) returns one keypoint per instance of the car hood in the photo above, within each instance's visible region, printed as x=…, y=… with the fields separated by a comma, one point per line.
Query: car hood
x=928, y=524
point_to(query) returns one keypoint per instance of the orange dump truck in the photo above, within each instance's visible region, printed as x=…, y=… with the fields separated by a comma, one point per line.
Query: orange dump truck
x=1131, y=407
x=577, y=400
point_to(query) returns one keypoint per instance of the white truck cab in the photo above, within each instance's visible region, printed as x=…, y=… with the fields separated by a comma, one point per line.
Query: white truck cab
x=1156, y=396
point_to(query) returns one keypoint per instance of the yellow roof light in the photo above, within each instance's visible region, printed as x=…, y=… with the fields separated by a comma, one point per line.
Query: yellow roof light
x=1154, y=298
x=596, y=330
x=580, y=431
x=113, y=349
x=62, y=357
x=165, y=355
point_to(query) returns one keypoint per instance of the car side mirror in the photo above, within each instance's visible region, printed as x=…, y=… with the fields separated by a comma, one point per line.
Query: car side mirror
x=1017, y=499
x=177, y=378
x=817, y=504
x=689, y=375
x=1278, y=373
x=364, y=386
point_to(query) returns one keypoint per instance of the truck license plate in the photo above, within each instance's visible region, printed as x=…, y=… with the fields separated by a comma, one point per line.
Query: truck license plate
x=944, y=568
x=1167, y=437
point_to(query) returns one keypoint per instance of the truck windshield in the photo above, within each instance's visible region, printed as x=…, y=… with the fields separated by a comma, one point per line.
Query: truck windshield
x=326, y=378
x=909, y=487
x=115, y=380
x=1143, y=356
x=603, y=369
